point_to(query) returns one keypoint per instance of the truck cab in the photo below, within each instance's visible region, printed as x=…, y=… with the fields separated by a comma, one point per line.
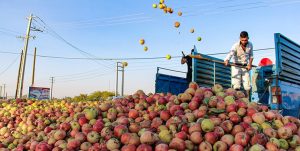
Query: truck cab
x=278, y=85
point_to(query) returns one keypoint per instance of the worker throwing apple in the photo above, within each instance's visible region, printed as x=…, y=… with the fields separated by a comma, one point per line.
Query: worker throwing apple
x=242, y=54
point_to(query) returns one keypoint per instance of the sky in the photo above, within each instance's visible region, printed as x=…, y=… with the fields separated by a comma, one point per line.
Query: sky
x=112, y=29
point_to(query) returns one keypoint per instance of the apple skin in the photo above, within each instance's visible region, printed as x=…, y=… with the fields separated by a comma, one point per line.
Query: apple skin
x=242, y=139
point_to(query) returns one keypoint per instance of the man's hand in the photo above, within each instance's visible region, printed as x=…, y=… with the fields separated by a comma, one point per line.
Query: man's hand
x=226, y=62
x=249, y=67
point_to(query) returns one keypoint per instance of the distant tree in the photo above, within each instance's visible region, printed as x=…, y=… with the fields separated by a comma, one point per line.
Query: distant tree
x=98, y=95
x=67, y=98
x=95, y=96
x=81, y=97
x=107, y=94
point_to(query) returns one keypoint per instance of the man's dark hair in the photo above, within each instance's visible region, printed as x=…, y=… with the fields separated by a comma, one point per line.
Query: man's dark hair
x=244, y=34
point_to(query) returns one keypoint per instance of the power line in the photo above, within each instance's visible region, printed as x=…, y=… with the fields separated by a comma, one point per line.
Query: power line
x=8, y=33
x=80, y=73
x=218, y=10
x=100, y=22
x=85, y=78
x=9, y=66
x=68, y=43
x=113, y=23
x=72, y=23
x=88, y=74
x=120, y=59
x=222, y=53
x=81, y=76
x=11, y=31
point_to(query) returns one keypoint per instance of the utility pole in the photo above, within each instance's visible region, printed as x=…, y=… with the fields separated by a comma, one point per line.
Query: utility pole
x=33, y=68
x=21, y=82
x=122, y=92
x=52, y=81
x=19, y=73
x=117, y=80
x=121, y=65
x=4, y=91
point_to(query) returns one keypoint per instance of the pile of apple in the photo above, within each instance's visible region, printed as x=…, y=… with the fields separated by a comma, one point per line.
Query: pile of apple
x=204, y=119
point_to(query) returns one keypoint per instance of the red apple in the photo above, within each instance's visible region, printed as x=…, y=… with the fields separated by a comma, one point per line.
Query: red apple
x=270, y=115
x=211, y=137
x=162, y=147
x=285, y=132
x=73, y=144
x=251, y=111
x=193, y=85
x=48, y=129
x=182, y=135
x=236, y=129
x=235, y=119
x=242, y=104
x=228, y=139
x=86, y=128
x=42, y=147
x=82, y=121
x=85, y=146
x=221, y=105
x=227, y=126
x=242, y=112
x=292, y=126
x=119, y=130
x=259, y=139
x=205, y=146
x=144, y=147
x=245, y=125
x=242, y=138
x=65, y=126
x=195, y=128
x=219, y=131
x=177, y=144
x=258, y=118
x=81, y=137
x=247, y=119
x=59, y=134
x=128, y=148
x=216, y=120
x=133, y=114
x=250, y=131
x=270, y=132
x=271, y=146
x=185, y=128
x=193, y=105
x=98, y=126
x=236, y=147
x=196, y=138
x=220, y=146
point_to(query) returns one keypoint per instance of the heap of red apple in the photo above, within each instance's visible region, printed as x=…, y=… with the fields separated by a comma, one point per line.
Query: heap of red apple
x=203, y=119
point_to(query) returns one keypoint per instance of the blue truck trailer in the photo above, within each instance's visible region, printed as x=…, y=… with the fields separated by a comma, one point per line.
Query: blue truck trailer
x=276, y=85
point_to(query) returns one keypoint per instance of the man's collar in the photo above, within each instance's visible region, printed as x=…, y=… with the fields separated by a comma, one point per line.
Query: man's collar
x=246, y=44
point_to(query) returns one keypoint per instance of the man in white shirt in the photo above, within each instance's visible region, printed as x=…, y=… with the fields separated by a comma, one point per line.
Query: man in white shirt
x=242, y=54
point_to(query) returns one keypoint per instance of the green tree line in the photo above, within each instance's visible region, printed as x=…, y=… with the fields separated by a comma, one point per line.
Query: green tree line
x=95, y=96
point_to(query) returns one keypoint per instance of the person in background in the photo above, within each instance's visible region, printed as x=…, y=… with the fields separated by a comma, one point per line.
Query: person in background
x=188, y=60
